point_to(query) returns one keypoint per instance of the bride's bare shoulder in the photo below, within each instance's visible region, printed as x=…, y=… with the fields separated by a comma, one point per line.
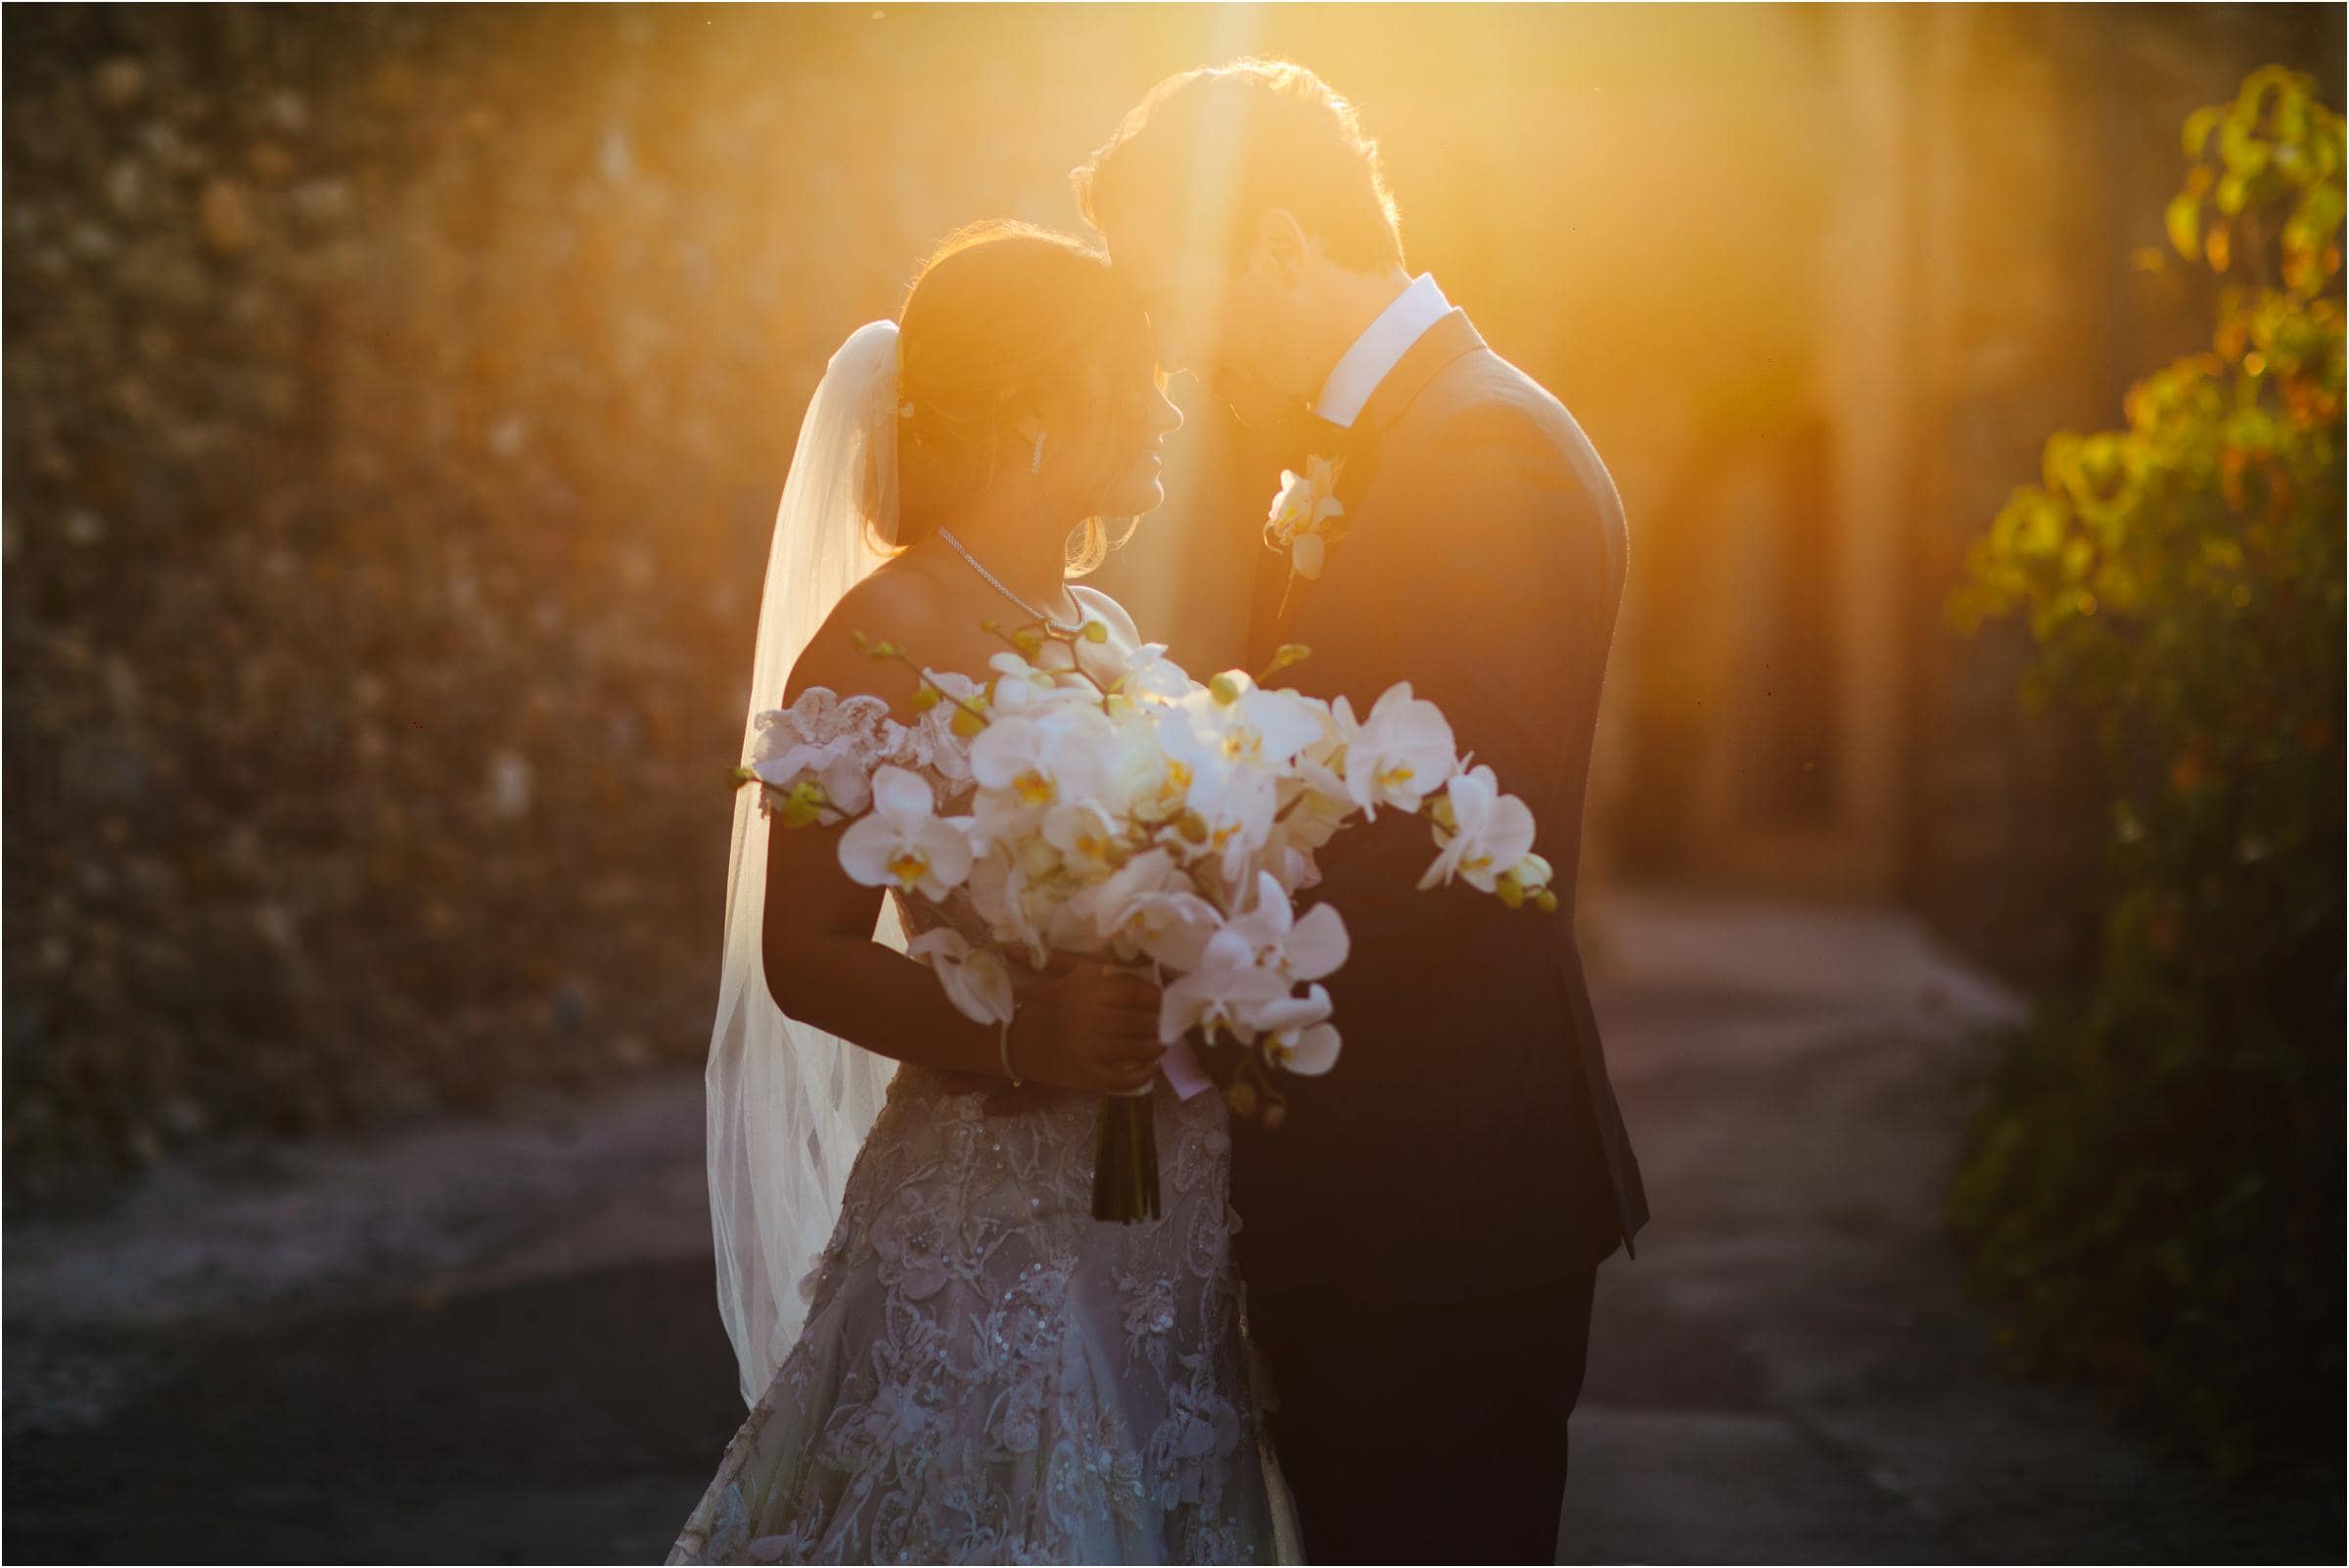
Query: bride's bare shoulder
x=889, y=606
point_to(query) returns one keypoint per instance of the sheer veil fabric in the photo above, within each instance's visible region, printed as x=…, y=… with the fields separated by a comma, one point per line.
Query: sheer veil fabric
x=789, y=1105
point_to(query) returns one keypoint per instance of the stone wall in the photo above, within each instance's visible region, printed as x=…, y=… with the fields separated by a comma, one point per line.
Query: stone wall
x=397, y=399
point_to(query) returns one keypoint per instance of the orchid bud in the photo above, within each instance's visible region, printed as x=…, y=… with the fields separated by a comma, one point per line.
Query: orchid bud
x=1287, y=654
x=1241, y=1097
x=924, y=699
x=804, y=802
x=1225, y=688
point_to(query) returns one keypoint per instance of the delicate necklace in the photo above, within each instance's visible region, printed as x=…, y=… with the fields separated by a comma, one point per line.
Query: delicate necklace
x=996, y=584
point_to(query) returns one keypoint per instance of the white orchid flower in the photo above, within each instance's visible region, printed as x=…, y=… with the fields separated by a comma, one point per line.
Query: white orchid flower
x=1327, y=750
x=1305, y=512
x=945, y=750
x=782, y=762
x=1026, y=764
x=1134, y=671
x=1399, y=755
x=1021, y=685
x=1490, y=832
x=977, y=982
x=1308, y=498
x=1527, y=879
x=1295, y=1034
x=1308, y=554
x=1295, y=868
x=1235, y=718
x=1139, y=779
x=1074, y=924
x=1229, y=814
x=1085, y=835
x=1293, y=949
x=1146, y=780
x=1239, y=819
x=1147, y=907
x=1226, y=990
x=1172, y=928
x=1313, y=810
x=1007, y=895
x=902, y=842
x=1313, y=803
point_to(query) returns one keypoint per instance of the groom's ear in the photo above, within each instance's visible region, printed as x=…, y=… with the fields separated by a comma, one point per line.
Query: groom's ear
x=1283, y=244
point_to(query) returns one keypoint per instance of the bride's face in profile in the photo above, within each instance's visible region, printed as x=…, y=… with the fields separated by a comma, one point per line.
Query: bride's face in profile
x=1137, y=487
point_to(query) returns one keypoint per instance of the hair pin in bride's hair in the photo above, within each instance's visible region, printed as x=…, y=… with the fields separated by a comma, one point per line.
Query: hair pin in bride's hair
x=904, y=410
x=1035, y=464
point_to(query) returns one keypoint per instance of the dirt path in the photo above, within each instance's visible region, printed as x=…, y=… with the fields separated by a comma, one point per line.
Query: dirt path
x=1790, y=1371
x=495, y=1341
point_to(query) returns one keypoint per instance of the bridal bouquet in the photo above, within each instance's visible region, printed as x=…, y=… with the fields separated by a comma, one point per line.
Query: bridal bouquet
x=1125, y=811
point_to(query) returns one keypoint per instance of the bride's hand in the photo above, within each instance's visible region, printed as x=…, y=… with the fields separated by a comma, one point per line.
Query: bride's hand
x=1085, y=1025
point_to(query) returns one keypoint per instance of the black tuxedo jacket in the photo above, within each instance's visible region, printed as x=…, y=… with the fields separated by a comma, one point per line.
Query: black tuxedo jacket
x=1468, y=1142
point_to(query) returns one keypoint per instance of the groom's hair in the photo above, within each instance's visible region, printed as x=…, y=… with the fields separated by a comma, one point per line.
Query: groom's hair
x=1228, y=144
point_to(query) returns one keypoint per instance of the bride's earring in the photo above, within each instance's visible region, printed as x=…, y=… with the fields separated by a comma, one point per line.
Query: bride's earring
x=1035, y=464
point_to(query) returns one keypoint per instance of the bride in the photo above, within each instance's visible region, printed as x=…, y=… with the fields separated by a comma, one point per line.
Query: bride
x=947, y=1359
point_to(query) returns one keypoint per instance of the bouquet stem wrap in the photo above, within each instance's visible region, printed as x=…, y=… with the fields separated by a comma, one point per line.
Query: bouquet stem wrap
x=1126, y=1158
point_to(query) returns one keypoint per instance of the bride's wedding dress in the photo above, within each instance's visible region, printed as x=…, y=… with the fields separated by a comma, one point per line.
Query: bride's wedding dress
x=987, y=1374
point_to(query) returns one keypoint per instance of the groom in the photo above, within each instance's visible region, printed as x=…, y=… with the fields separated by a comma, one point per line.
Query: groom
x=1420, y=1238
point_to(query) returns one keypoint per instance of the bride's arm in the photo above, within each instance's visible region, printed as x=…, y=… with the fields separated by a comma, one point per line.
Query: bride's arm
x=824, y=968
x=1079, y=1025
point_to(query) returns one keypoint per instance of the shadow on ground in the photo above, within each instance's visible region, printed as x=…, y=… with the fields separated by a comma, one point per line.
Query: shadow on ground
x=497, y=1341
x=567, y=1420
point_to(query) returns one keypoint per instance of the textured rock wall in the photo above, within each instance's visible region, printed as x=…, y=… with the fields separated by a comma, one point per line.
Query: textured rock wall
x=376, y=517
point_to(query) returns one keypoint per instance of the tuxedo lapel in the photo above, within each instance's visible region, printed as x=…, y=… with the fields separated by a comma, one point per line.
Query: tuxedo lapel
x=1451, y=337
x=1358, y=446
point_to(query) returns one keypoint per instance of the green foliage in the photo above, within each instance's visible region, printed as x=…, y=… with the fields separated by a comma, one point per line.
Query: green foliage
x=2156, y=1186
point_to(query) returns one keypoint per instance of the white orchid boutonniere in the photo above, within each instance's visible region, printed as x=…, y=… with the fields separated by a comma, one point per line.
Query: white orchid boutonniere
x=1307, y=516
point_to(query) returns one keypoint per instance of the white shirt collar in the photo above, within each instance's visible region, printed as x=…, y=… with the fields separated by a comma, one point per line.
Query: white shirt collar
x=1380, y=348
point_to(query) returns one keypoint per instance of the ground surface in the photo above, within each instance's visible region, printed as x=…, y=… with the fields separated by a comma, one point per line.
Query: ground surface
x=495, y=1340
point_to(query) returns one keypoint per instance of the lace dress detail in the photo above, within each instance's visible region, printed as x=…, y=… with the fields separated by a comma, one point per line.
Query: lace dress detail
x=987, y=1374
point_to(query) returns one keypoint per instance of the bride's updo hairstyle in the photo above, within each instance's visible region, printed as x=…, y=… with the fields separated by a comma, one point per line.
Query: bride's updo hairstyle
x=1007, y=325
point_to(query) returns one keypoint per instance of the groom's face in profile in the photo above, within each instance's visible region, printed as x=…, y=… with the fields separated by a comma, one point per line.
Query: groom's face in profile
x=1226, y=322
